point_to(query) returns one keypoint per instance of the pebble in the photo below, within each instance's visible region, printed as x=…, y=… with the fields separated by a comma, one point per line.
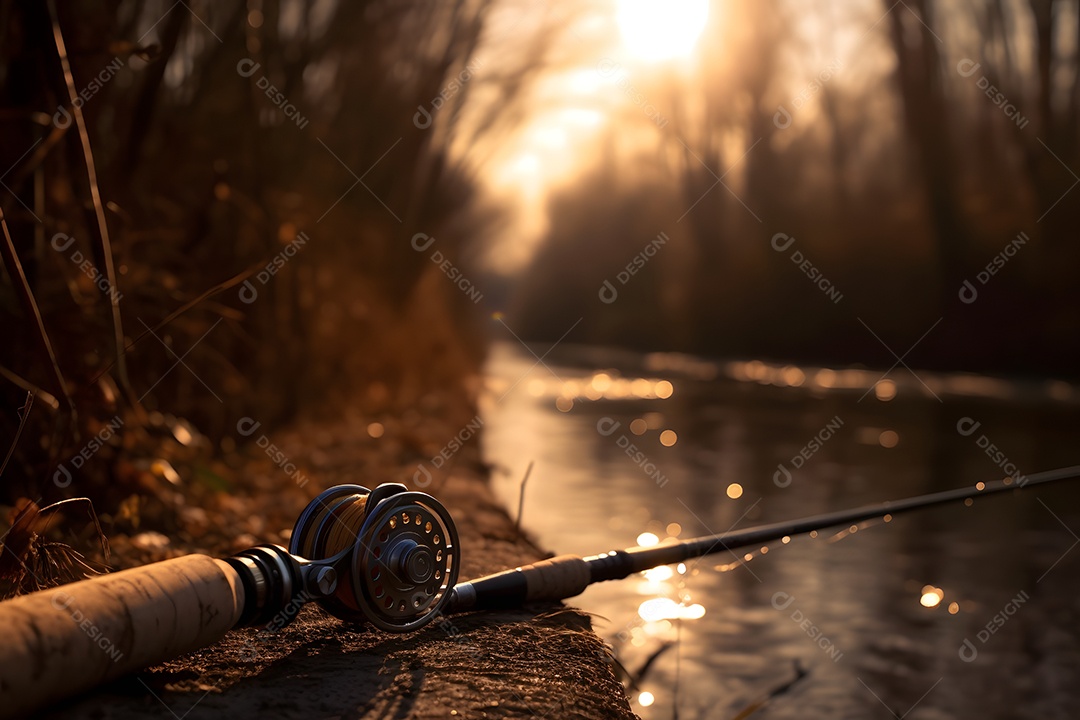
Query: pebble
x=150, y=541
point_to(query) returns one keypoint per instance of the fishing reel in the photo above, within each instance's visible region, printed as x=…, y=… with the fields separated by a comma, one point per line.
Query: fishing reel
x=387, y=556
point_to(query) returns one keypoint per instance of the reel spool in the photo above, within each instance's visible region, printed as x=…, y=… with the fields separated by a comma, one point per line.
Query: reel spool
x=396, y=553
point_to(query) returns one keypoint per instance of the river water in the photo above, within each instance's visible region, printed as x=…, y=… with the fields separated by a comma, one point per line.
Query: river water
x=953, y=612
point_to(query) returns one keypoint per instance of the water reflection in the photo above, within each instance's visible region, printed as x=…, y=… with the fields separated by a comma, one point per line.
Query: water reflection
x=896, y=599
x=600, y=386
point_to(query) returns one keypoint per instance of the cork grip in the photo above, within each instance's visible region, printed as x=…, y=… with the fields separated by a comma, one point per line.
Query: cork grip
x=62, y=641
x=560, y=577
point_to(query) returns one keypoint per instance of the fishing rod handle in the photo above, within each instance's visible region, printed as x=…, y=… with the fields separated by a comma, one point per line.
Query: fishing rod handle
x=555, y=579
x=66, y=640
x=559, y=578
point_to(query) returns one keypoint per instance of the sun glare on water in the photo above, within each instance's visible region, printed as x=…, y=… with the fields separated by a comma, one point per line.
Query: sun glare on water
x=657, y=30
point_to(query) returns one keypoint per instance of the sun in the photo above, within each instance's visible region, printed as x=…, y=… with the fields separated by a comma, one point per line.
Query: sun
x=657, y=30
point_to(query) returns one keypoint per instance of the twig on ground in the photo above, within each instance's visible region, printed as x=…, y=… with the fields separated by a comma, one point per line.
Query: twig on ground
x=30, y=307
x=30, y=387
x=18, y=432
x=521, y=495
x=753, y=707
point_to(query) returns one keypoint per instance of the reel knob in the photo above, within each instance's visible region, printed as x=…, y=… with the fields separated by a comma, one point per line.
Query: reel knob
x=396, y=553
x=413, y=562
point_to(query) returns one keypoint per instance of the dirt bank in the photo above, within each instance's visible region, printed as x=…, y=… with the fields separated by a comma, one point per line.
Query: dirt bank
x=542, y=662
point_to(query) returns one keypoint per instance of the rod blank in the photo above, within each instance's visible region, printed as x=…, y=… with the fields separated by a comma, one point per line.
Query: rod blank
x=545, y=580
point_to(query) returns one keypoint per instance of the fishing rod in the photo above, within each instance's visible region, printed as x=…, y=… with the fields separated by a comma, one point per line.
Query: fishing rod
x=387, y=556
x=568, y=575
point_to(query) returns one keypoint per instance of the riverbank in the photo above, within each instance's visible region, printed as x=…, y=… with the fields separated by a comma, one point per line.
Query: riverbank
x=544, y=661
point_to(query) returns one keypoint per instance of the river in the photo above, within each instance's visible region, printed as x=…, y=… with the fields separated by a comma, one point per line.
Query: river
x=949, y=612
